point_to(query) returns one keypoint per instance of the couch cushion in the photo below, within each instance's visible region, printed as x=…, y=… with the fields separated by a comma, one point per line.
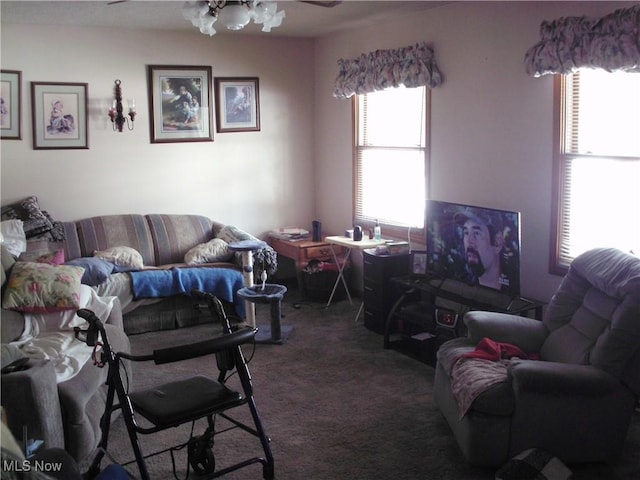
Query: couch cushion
x=174, y=235
x=11, y=325
x=593, y=315
x=496, y=400
x=101, y=233
x=72, y=247
x=41, y=287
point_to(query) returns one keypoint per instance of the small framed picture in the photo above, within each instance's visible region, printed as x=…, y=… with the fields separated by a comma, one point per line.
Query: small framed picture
x=237, y=104
x=11, y=105
x=180, y=102
x=59, y=115
x=419, y=262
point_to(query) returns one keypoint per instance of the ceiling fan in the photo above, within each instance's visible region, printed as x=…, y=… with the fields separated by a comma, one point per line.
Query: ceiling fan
x=318, y=3
x=236, y=14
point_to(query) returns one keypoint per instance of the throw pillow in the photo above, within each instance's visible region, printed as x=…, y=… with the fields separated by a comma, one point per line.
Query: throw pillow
x=96, y=270
x=266, y=258
x=121, y=256
x=215, y=250
x=40, y=287
x=13, y=236
x=231, y=234
x=53, y=258
x=534, y=464
x=28, y=210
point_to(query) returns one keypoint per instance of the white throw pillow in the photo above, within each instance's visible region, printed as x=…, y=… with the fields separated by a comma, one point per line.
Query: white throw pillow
x=215, y=250
x=13, y=237
x=122, y=256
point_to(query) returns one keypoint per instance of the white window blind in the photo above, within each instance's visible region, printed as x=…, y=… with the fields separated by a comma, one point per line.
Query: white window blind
x=391, y=161
x=598, y=165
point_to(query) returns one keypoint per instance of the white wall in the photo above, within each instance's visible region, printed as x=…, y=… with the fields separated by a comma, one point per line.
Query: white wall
x=491, y=124
x=255, y=180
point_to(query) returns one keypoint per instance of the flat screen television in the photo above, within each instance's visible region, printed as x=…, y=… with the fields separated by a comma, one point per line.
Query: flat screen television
x=476, y=245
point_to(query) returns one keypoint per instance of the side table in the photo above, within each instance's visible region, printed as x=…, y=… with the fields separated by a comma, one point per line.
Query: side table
x=349, y=244
x=302, y=252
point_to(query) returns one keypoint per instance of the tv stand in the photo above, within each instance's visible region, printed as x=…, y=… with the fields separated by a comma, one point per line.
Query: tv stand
x=429, y=311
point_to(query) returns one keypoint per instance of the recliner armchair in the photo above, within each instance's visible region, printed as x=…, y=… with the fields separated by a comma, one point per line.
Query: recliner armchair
x=577, y=399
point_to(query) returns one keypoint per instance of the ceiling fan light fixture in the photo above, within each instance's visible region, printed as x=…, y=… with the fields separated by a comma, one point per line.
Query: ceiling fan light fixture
x=263, y=10
x=206, y=25
x=265, y=13
x=233, y=14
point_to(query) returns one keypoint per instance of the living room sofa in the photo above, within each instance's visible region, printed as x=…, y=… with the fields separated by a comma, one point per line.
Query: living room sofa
x=66, y=413
x=163, y=242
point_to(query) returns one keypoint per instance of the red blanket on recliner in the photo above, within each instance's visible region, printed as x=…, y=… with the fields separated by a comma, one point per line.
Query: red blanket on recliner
x=476, y=371
x=491, y=350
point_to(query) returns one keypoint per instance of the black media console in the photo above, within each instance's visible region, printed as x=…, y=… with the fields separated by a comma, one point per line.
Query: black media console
x=429, y=310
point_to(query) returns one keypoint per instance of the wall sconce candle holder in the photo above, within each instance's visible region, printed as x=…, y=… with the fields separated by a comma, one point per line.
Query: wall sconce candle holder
x=115, y=112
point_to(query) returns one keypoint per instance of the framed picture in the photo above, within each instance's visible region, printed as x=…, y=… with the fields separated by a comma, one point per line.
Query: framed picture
x=10, y=105
x=418, y=262
x=237, y=104
x=180, y=102
x=59, y=115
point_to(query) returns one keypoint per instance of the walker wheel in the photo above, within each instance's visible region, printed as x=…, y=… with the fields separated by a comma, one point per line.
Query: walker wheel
x=201, y=456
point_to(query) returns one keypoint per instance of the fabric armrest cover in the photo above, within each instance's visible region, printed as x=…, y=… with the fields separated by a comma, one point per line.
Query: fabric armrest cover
x=561, y=379
x=526, y=333
x=11, y=325
x=30, y=398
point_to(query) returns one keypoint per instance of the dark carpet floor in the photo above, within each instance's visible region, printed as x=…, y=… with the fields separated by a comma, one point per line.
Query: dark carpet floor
x=336, y=406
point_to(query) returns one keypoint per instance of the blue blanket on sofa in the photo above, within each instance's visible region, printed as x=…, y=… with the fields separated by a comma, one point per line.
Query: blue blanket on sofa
x=222, y=282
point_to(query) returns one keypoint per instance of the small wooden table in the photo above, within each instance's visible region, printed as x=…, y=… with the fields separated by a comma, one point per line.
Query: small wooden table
x=302, y=252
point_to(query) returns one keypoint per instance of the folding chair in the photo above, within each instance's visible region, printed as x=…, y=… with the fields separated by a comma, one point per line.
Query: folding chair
x=165, y=406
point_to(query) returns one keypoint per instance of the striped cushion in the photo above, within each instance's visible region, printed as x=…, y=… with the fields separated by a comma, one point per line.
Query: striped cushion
x=175, y=235
x=100, y=233
x=72, y=247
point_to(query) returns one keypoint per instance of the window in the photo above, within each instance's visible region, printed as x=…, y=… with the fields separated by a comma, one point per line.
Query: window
x=597, y=165
x=391, y=163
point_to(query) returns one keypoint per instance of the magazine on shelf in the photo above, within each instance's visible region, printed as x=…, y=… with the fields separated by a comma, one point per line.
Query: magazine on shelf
x=290, y=233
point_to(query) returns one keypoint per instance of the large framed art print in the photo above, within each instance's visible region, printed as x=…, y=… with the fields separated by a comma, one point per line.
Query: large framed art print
x=10, y=105
x=59, y=115
x=180, y=103
x=237, y=104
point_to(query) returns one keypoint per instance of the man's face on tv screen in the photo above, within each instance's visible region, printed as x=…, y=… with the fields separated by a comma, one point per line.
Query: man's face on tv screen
x=479, y=251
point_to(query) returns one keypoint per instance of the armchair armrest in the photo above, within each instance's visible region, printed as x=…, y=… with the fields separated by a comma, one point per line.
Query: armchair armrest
x=524, y=332
x=561, y=379
x=30, y=398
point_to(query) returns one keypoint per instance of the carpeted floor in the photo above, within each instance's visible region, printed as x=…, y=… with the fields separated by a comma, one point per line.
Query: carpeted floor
x=336, y=406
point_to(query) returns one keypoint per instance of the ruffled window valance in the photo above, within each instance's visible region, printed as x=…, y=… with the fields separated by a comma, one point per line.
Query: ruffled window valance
x=611, y=43
x=412, y=66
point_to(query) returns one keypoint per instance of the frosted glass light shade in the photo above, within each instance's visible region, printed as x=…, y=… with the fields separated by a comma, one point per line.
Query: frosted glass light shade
x=234, y=17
